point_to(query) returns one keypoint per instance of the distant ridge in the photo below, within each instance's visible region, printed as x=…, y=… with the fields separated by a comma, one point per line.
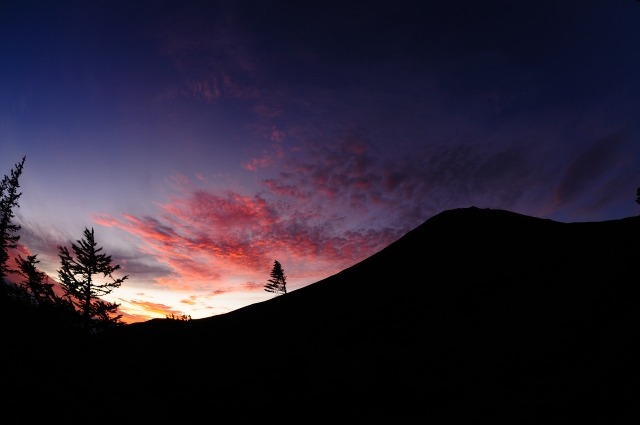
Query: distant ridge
x=477, y=315
x=465, y=249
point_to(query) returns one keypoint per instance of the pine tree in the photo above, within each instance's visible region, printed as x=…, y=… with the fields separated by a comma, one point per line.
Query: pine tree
x=35, y=281
x=78, y=279
x=9, y=196
x=638, y=192
x=278, y=282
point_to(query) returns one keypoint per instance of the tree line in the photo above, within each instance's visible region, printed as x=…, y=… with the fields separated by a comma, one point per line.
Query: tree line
x=85, y=274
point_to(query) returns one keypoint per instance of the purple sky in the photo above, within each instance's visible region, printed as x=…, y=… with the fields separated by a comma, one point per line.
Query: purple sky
x=203, y=142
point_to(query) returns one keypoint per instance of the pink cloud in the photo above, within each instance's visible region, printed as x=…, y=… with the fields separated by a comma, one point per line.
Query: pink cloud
x=256, y=163
x=355, y=178
x=277, y=135
x=280, y=188
x=217, y=292
x=19, y=250
x=13, y=253
x=252, y=286
x=269, y=159
x=333, y=206
x=210, y=238
x=23, y=251
x=346, y=174
x=265, y=111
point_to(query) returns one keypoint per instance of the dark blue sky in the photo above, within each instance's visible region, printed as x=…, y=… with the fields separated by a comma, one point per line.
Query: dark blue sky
x=204, y=141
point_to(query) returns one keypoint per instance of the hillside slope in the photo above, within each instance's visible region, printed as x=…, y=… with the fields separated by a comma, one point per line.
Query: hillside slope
x=475, y=316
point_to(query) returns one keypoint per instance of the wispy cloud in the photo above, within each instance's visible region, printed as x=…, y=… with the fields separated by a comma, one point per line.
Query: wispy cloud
x=332, y=206
x=128, y=317
x=402, y=191
x=215, y=59
x=146, y=309
x=208, y=239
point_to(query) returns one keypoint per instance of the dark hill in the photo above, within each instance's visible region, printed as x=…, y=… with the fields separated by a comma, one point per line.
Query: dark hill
x=475, y=316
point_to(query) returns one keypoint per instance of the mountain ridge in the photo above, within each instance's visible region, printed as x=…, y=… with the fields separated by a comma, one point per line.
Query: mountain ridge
x=454, y=223
x=476, y=315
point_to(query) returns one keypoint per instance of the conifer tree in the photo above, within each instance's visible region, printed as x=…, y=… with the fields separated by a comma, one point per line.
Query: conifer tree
x=9, y=196
x=35, y=281
x=638, y=192
x=278, y=282
x=78, y=279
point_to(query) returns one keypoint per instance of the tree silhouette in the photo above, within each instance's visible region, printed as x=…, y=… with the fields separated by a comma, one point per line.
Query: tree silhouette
x=183, y=318
x=9, y=196
x=78, y=279
x=278, y=282
x=35, y=281
x=638, y=192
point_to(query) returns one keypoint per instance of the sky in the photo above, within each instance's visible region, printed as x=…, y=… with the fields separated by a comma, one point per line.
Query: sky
x=203, y=141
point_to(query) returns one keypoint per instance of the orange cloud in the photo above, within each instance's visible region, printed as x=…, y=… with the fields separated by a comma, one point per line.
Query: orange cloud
x=133, y=318
x=150, y=307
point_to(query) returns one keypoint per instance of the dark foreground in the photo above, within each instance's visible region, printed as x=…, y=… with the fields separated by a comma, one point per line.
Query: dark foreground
x=477, y=316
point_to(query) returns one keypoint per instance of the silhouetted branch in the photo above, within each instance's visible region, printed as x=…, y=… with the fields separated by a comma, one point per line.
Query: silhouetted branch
x=9, y=196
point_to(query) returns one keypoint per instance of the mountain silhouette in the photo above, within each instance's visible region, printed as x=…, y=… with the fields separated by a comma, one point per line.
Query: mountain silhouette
x=477, y=315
